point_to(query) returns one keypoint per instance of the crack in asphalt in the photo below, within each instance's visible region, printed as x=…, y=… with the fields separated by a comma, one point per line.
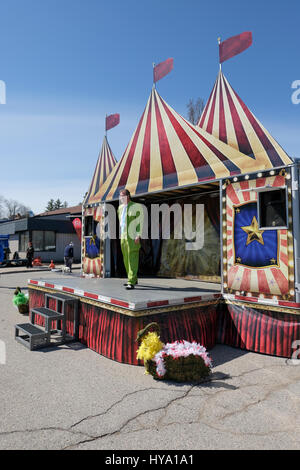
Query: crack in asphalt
x=142, y=413
x=85, y=434
x=50, y=428
x=200, y=418
x=112, y=406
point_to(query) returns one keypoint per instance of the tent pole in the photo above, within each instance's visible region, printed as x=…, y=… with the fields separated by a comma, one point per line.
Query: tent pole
x=154, y=84
x=219, y=42
x=296, y=228
x=82, y=238
x=221, y=234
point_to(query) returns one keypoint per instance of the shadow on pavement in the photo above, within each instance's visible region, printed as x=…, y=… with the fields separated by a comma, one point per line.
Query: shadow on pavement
x=221, y=354
x=75, y=346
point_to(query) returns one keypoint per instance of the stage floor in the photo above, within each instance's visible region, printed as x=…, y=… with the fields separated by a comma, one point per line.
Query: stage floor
x=149, y=293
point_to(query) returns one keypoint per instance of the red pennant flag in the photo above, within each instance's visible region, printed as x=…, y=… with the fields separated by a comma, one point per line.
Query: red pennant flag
x=112, y=121
x=234, y=45
x=162, y=69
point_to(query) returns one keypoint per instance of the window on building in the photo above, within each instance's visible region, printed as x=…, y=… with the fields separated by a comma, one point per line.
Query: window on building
x=23, y=241
x=43, y=240
x=49, y=241
x=272, y=208
x=37, y=240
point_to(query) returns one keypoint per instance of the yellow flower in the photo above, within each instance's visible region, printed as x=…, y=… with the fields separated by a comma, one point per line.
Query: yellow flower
x=150, y=345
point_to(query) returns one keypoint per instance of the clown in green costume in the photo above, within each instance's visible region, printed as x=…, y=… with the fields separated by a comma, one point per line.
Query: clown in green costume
x=131, y=225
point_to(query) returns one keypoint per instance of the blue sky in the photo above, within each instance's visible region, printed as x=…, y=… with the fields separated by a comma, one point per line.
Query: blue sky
x=68, y=63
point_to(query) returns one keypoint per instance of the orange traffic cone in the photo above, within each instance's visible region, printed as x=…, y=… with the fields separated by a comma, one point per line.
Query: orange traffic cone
x=52, y=265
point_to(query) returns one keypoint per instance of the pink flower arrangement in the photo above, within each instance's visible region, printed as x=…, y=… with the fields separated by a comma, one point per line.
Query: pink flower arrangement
x=180, y=349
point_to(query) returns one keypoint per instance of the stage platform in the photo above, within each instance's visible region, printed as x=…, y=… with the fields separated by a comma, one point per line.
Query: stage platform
x=109, y=316
x=150, y=293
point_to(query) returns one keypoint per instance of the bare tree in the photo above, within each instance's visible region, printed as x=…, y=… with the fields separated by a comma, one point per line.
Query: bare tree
x=23, y=210
x=11, y=208
x=195, y=109
x=14, y=208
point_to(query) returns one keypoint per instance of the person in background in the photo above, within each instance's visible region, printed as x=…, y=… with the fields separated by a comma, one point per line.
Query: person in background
x=69, y=255
x=29, y=255
x=6, y=253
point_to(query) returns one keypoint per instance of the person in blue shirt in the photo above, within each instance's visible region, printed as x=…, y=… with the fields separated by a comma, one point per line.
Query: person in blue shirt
x=69, y=255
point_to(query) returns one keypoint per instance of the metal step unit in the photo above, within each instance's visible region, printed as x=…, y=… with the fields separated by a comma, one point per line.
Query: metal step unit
x=31, y=336
x=62, y=300
x=34, y=336
x=49, y=316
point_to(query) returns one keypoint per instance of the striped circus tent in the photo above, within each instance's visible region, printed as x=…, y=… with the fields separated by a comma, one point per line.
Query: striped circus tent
x=228, y=118
x=105, y=163
x=166, y=152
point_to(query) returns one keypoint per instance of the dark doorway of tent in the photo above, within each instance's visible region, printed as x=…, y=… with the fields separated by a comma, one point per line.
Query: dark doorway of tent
x=183, y=235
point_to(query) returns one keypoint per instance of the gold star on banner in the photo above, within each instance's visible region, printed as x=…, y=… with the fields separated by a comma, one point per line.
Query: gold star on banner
x=253, y=232
x=238, y=260
x=237, y=210
x=273, y=261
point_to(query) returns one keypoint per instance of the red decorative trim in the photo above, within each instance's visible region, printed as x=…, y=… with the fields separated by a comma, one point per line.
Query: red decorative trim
x=157, y=303
x=289, y=304
x=192, y=299
x=248, y=299
x=119, y=302
x=92, y=296
x=49, y=285
x=68, y=289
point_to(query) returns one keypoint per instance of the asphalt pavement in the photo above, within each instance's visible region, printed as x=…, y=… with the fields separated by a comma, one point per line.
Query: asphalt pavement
x=70, y=397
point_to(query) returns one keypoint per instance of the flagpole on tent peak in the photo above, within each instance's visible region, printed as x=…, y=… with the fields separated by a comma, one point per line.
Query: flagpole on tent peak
x=219, y=42
x=105, y=125
x=154, y=84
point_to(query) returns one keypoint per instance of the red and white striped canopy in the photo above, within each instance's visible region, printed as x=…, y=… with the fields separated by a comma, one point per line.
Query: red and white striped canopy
x=166, y=151
x=228, y=118
x=105, y=163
